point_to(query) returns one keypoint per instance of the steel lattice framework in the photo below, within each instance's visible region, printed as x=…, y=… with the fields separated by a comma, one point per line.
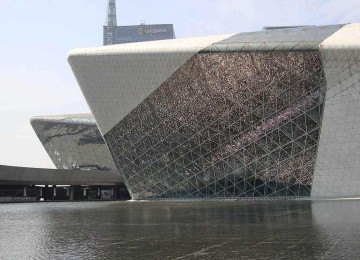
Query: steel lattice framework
x=226, y=124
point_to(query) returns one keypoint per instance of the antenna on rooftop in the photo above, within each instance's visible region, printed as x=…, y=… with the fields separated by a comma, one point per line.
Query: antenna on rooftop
x=111, y=13
x=111, y=24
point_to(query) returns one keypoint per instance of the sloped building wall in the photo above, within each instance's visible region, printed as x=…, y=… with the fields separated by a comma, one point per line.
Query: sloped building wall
x=115, y=79
x=225, y=125
x=337, y=171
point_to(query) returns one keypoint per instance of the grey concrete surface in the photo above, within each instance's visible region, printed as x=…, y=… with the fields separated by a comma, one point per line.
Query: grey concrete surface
x=31, y=176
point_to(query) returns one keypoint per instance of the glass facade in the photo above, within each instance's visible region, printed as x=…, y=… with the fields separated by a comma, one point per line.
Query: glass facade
x=226, y=125
x=73, y=142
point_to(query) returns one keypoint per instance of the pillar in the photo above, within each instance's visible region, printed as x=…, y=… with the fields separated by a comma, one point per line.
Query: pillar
x=75, y=192
x=98, y=193
x=54, y=188
x=25, y=192
x=72, y=192
x=46, y=193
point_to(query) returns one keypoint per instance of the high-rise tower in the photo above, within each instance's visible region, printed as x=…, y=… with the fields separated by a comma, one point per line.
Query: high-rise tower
x=111, y=24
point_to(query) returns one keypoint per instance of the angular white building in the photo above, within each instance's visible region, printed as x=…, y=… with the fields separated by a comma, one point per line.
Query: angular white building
x=263, y=114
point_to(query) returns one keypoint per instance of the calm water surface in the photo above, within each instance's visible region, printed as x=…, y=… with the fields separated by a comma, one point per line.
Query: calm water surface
x=173, y=230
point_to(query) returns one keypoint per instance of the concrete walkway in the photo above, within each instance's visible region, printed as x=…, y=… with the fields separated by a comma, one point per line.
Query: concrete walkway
x=32, y=176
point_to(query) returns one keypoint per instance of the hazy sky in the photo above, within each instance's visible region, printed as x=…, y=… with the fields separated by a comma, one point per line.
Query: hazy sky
x=36, y=35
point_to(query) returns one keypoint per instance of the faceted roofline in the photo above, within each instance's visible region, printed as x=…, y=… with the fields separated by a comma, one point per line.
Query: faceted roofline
x=151, y=47
x=286, y=39
x=85, y=118
x=140, y=69
x=137, y=69
x=311, y=34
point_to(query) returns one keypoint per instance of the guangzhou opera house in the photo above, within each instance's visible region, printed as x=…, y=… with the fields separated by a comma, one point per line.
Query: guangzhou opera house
x=272, y=114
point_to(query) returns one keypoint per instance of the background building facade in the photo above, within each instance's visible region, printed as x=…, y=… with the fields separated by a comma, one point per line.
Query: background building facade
x=114, y=34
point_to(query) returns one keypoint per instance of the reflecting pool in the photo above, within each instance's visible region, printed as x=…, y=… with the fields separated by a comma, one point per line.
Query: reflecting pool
x=181, y=230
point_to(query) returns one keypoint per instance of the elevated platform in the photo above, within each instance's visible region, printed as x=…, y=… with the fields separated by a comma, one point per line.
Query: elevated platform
x=32, y=176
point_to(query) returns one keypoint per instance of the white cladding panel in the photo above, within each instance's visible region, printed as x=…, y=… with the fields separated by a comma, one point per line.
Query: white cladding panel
x=115, y=79
x=337, y=171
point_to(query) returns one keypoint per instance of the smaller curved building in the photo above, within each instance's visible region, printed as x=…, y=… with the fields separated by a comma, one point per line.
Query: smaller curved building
x=73, y=142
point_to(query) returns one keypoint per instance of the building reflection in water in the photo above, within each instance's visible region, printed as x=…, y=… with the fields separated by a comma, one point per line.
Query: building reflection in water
x=183, y=230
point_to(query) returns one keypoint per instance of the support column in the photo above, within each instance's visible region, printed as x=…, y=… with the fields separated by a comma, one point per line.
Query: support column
x=54, y=190
x=98, y=193
x=72, y=192
x=75, y=192
x=25, y=192
x=46, y=193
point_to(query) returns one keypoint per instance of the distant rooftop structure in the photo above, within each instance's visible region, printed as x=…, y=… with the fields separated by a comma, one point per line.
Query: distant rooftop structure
x=114, y=34
x=267, y=28
x=111, y=14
